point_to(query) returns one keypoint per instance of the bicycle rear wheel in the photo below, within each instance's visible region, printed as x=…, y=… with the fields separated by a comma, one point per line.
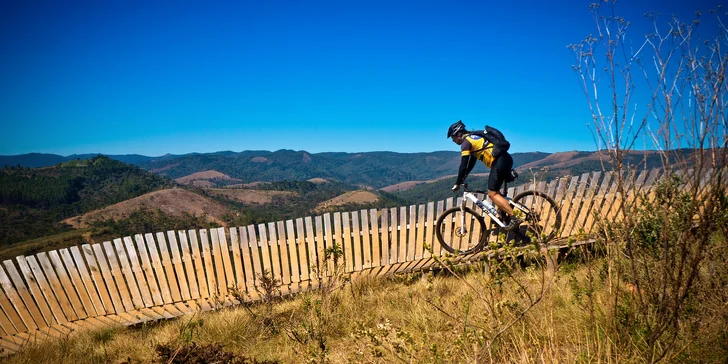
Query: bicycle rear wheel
x=460, y=232
x=541, y=214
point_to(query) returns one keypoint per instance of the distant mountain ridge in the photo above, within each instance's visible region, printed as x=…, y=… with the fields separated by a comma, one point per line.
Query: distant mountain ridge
x=367, y=169
x=35, y=160
x=375, y=169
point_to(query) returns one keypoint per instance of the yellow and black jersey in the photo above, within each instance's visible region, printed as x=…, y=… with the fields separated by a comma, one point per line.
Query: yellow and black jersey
x=479, y=147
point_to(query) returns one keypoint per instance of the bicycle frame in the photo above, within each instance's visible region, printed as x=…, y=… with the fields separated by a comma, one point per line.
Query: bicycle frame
x=487, y=207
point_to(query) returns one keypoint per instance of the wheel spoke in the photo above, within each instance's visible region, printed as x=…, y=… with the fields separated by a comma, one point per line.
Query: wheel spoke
x=458, y=233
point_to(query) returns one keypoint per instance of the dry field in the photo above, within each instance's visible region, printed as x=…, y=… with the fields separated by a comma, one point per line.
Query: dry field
x=174, y=201
x=206, y=176
x=352, y=197
x=249, y=196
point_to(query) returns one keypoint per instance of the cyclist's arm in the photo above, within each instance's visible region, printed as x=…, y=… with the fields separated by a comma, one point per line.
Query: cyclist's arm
x=467, y=162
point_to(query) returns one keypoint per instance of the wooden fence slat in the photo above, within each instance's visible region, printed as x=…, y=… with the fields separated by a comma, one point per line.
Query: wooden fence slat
x=146, y=266
x=189, y=268
x=311, y=246
x=320, y=257
x=567, y=204
x=610, y=197
x=366, y=240
x=420, y=232
x=17, y=302
x=347, y=246
x=133, y=286
x=329, y=241
x=46, y=289
x=96, y=277
x=428, y=230
x=376, y=242
x=88, y=282
x=209, y=265
x=619, y=196
x=393, y=235
x=448, y=233
x=402, y=240
x=577, y=202
x=158, y=268
x=65, y=280
x=199, y=265
x=655, y=174
x=599, y=199
x=275, y=251
x=384, y=237
x=255, y=254
x=226, y=263
x=283, y=251
x=247, y=261
x=178, y=266
x=141, y=282
x=77, y=282
x=635, y=188
x=118, y=276
x=237, y=260
x=172, y=282
x=24, y=294
x=640, y=184
x=550, y=217
x=293, y=257
x=436, y=246
x=10, y=321
x=589, y=197
x=302, y=254
x=265, y=263
x=34, y=289
x=355, y=234
x=217, y=254
x=410, y=228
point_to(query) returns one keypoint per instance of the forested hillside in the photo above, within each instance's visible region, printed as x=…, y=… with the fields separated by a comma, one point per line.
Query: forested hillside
x=375, y=169
x=307, y=195
x=33, y=201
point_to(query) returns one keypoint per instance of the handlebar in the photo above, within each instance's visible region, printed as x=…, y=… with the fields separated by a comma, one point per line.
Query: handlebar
x=465, y=189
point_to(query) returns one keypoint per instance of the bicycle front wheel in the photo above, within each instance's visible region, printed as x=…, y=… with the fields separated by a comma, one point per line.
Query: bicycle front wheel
x=460, y=232
x=541, y=214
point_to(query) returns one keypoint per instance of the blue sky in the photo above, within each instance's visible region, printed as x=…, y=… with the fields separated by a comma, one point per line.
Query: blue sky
x=156, y=77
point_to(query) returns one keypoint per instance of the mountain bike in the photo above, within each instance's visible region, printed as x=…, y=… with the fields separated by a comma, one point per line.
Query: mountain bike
x=461, y=230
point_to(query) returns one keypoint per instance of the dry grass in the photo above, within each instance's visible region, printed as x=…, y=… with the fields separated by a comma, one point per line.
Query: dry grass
x=413, y=318
x=432, y=317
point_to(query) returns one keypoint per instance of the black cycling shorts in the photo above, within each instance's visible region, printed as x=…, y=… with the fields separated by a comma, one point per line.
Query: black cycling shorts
x=501, y=169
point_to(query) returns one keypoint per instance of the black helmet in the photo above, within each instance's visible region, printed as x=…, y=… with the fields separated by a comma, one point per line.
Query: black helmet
x=455, y=128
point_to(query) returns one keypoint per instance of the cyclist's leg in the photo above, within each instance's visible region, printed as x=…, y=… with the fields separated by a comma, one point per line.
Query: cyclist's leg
x=501, y=167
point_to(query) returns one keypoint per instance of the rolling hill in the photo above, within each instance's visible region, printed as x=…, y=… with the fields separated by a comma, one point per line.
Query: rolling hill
x=173, y=201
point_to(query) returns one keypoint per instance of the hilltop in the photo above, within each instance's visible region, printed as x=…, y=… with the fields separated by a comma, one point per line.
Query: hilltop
x=173, y=202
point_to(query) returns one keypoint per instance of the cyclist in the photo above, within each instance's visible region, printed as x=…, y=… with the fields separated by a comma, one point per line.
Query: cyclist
x=474, y=148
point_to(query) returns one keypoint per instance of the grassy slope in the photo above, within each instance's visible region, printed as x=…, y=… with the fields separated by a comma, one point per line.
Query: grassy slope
x=414, y=318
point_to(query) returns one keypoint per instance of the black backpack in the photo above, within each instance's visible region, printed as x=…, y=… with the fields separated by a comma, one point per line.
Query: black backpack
x=495, y=137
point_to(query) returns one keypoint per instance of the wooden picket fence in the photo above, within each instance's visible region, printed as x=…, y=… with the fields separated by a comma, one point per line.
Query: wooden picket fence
x=158, y=276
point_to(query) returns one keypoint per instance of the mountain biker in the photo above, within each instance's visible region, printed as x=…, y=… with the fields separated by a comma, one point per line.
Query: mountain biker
x=473, y=148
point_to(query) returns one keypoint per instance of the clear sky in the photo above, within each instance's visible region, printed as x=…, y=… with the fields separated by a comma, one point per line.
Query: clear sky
x=154, y=77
